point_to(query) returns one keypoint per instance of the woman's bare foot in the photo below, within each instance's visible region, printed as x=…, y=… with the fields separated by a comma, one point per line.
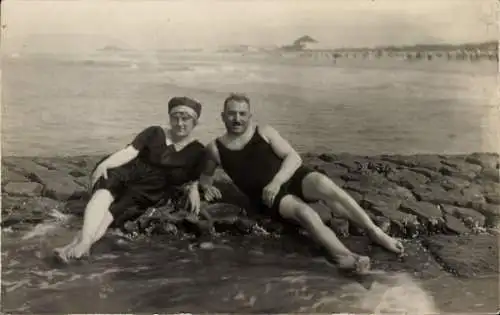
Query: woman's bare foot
x=78, y=251
x=354, y=263
x=381, y=238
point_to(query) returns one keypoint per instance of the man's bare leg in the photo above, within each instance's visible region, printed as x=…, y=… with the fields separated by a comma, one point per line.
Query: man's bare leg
x=317, y=186
x=97, y=219
x=293, y=208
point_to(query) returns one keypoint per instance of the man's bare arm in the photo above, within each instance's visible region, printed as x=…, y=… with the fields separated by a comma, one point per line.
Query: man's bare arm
x=291, y=159
x=210, y=165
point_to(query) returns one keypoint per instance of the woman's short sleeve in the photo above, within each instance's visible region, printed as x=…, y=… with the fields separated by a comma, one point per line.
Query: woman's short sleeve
x=143, y=139
x=199, y=165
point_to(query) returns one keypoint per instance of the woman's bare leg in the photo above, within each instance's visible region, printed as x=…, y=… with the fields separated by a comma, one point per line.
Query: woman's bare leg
x=97, y=219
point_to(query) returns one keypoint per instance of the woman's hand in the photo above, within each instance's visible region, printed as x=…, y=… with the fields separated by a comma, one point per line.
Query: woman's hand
x=194, y=199
x=101, y=170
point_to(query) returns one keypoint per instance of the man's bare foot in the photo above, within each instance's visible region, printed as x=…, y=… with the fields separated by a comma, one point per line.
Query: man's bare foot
x=354, y=263
x=381, y=238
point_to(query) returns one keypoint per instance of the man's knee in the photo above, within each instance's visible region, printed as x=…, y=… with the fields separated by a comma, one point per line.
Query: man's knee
x=307, y=216
x=319, y=183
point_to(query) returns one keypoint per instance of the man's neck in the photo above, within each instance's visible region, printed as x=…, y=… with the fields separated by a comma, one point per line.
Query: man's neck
x=249, y=131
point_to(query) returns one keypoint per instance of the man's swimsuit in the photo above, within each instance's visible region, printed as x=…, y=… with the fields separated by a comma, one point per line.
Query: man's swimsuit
x=254, y=166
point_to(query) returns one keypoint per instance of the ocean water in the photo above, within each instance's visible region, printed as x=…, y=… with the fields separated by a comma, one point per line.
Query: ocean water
x=72, y=105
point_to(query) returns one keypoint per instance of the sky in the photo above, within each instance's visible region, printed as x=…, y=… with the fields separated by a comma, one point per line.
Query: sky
x=200, y=24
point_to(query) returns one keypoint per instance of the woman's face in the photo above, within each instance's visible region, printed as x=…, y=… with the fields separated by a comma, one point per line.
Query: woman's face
x=182, y=124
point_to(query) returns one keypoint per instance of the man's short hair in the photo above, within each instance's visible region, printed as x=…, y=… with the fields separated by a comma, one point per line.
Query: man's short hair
x=236, y=97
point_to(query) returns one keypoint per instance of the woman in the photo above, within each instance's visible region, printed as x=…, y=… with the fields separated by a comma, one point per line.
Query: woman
x=149, y=169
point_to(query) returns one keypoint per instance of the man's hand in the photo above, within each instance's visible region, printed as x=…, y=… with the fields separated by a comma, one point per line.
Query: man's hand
x=269, y=192
x=194, y=199
x=211, y=193
x=101, y=170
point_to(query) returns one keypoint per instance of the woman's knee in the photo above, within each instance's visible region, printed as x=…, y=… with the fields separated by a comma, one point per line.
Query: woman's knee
x=102, y=196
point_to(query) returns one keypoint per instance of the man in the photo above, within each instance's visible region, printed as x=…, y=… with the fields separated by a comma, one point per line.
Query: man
x=269, y=171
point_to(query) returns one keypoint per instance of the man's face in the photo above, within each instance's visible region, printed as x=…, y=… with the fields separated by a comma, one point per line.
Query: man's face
x=236, y=117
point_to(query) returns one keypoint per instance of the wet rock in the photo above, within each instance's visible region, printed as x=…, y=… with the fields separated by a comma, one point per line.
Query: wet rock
x=426, y=211
x=23, y=189
x=469, y=216
x=13, y=203
x=24, y=166
x=432, y=175
x=491, y=192
x=62, y=165
x=394, y=190
x=431, y=162
x=59, y=186
x=370, y=200
x=453, y=183
x=402, y=223
x=460, y=169
x=491, y=213
x=32, y=211
x=340, y=226
x=467, y=255
x=327, y=157
x=490, y=174
x=486, y=160
x=455, y=225
x=436, y=194
x=9, y=175
x=408, y=179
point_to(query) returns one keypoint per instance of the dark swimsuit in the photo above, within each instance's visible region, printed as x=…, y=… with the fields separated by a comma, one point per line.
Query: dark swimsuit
x=254, y=166
x=154, y=175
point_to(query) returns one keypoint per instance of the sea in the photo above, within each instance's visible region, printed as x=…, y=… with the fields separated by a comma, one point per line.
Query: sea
x=86, y=104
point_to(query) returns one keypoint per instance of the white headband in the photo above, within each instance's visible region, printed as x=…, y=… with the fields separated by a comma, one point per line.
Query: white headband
x=184, y=109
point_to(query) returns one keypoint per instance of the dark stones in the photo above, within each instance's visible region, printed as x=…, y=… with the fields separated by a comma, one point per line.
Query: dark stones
x=23, y=189
x=436, y=194
x=453, y=183
x=491, y=192
x=469, y=216
x=466, y=256
x=426, y=211
x=58, y=185
x=486, y=160
x=408, y=179
x=9, y=175
x=403, y=194
x=454, y=225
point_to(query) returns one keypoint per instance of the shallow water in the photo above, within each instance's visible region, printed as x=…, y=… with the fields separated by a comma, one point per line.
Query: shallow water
x=251, y=274
x=73, y=105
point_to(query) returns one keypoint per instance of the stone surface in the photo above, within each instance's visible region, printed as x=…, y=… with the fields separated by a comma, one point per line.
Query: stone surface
x=452, y=198
x=402, y=189
x=486, y=160
x=468, y=216
x=23, y=189
x=455, y=225
x=9, y=175
x=468, y=255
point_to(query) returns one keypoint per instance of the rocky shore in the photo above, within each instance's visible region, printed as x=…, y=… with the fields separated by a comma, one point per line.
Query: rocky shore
x=446, y=208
